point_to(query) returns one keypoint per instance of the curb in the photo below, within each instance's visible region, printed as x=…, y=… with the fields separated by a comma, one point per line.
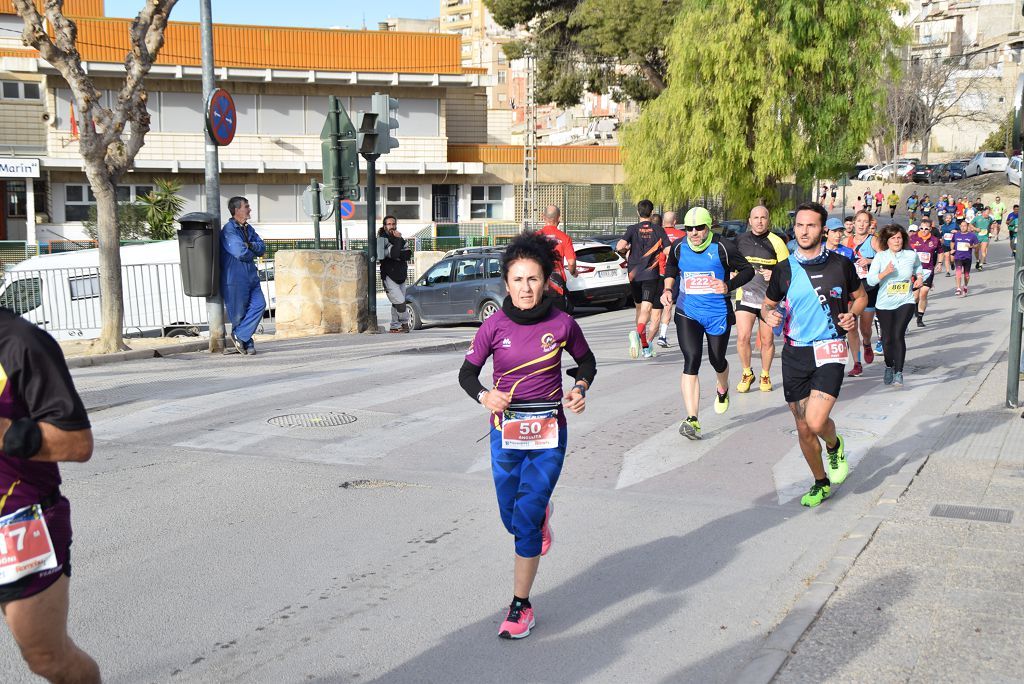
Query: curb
x=781, y=642
x=188, y=347
x=116, y=357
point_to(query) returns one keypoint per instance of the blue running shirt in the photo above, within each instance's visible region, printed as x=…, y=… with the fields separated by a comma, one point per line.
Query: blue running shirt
x=814, y=295
x=694, y=270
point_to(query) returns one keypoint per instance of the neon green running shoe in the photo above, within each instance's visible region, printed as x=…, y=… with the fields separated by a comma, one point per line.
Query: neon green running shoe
x=721, y=402
x=816, y=495
x=634, y=344
x=837, y=466
x=690, y=428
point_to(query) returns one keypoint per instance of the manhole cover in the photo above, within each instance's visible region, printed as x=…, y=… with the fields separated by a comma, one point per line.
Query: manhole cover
x=313, y=420
x=1000, y=515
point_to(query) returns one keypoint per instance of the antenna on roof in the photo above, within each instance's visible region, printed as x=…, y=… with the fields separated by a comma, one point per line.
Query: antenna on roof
x=364, y=21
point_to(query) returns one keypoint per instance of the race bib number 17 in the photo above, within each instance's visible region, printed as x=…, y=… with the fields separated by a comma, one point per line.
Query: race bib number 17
x=25, y=545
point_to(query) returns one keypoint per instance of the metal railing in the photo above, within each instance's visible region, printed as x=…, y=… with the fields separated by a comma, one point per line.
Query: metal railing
x=66, y=301
x=15, y=251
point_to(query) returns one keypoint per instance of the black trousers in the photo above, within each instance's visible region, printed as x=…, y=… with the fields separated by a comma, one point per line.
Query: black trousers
x=690, y=335
x=894, y=324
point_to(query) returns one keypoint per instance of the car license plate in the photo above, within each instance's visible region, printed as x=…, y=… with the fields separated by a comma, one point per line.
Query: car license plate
x=606, y=274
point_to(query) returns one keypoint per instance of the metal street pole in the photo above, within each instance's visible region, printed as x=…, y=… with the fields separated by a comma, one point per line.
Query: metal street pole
x=1017, y=300
x=1016, y=316
x=314, y=191
x=371, y=239
x=214, y=303
x=334, y=115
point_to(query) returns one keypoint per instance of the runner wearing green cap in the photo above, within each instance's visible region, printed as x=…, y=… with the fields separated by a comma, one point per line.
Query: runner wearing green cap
x=702, y=263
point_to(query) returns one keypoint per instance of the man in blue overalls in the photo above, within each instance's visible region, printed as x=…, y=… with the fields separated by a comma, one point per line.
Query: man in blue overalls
x=239, y=279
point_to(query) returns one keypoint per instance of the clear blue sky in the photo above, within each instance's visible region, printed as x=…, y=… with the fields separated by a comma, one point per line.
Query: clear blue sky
x=322, y=14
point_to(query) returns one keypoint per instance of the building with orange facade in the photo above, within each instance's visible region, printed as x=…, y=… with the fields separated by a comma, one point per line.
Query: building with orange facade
x=280, y=79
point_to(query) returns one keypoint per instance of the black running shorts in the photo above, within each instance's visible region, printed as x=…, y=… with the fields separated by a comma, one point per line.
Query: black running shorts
x=749, y=309
x=648, y=291
x=872, y=292
x=800, y=375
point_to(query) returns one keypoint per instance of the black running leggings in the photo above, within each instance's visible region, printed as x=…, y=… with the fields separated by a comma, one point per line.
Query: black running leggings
x=691, y=335
x=894, y=324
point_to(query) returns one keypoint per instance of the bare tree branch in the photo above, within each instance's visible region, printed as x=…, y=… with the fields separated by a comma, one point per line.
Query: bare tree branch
x=106, y=154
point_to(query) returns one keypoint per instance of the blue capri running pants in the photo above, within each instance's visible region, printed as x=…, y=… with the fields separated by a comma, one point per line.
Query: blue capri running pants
x=523, y=481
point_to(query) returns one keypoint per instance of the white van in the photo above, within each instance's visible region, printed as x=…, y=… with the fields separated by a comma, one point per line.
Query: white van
x=61, y=293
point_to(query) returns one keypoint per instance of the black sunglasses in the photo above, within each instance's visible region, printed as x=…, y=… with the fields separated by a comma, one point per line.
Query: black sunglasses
x=694, y=229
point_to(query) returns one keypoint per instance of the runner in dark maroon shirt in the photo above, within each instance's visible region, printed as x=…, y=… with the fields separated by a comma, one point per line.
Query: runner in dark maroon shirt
x=42, y=422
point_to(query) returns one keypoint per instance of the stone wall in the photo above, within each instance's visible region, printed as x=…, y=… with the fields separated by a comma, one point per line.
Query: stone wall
x=424, y=260
x=320, y=291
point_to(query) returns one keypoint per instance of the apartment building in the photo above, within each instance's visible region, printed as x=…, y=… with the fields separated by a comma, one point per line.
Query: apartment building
x=984, y=40
x=280, y=79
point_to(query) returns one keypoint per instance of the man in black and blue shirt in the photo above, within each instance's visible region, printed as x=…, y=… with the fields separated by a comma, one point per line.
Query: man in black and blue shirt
x=823, y=296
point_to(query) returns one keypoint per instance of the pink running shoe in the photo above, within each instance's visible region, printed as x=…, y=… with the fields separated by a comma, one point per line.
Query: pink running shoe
x=547, y=536
x=517, y=624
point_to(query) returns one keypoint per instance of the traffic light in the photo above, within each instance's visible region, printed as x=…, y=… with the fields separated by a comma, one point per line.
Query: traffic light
x=386, y=109
x=366, y=132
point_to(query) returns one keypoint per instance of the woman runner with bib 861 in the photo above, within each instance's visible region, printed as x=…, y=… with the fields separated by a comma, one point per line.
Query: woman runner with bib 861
x=527, y=426
x=893, y=272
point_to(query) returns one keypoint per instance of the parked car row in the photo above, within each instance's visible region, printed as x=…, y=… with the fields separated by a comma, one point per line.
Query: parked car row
x=466, y=284
x=912, y=170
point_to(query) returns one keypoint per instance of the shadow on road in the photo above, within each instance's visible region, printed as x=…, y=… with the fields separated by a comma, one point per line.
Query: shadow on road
x=669, y=567
x=834, y=656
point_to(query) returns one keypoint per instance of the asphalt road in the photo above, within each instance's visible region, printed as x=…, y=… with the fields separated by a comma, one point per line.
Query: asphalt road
x=213, y=545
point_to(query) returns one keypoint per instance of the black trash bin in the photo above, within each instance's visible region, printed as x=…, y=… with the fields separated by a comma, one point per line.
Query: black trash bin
x=200, y=262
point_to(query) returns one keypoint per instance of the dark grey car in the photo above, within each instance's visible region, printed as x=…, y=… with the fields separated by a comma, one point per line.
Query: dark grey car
x=461, y=288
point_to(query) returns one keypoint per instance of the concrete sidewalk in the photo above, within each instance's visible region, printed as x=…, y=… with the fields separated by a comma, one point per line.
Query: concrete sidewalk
x=935, y=598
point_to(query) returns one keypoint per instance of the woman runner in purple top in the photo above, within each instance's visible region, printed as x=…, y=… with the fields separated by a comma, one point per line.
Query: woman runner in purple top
x=527, y=425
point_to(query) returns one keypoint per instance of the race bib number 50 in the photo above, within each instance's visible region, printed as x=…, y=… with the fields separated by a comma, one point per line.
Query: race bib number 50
x=698, y=282
x=529, y=430
x=25, y=545
x=829, y=351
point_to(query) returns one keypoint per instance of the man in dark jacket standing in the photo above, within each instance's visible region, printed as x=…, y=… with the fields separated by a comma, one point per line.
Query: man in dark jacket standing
x=394, y=270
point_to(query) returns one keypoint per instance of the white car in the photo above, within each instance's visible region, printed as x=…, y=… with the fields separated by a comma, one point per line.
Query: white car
x=1013, y=171
x=601, y=279
x=901, y=171
x=869, y=173
x=986, y=162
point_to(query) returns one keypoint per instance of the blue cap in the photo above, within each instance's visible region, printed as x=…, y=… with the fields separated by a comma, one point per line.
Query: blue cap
x=834, y=224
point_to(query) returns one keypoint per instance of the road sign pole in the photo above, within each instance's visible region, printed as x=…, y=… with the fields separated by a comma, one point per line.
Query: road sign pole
x=314, y=189
x=214, y=303
x=335, y=119
x=371, y=239
x=1013, y=360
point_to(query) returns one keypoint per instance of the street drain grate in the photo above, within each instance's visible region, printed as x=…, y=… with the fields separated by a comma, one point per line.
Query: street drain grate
x=313, y=420
x=999, y=515
x=377, y=484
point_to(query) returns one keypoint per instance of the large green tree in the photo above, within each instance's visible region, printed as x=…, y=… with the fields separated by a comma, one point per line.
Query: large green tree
x=591, y=45
x=759, y=91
